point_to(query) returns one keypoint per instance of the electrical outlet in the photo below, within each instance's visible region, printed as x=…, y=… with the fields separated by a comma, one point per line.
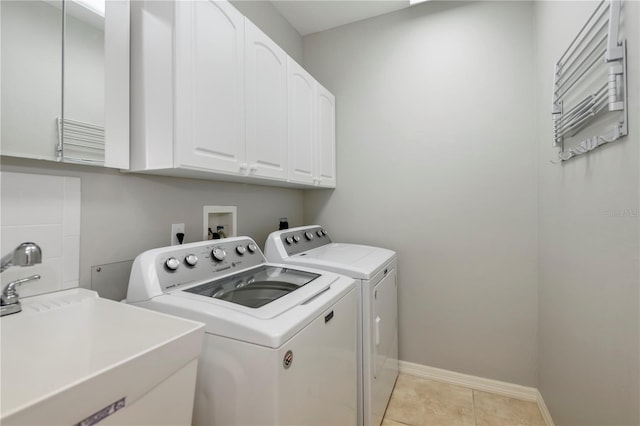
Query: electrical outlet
x=176, y=228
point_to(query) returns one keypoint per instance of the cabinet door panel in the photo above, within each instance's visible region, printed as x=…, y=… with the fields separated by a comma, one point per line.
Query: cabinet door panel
x=326, y=138
x=266, y=105
x=209, y=86
x=301, y=107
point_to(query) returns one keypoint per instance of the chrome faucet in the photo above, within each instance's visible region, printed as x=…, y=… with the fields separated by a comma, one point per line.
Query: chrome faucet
x=26, y=254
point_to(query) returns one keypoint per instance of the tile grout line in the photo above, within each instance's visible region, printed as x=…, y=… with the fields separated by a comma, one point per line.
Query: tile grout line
x=473, y=407
x=384, y=416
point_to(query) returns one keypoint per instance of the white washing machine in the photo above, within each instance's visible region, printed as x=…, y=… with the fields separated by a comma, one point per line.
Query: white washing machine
x=280, y=341
x=374, y=269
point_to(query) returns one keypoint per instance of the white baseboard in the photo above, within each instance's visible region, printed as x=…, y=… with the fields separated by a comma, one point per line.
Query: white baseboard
x=478, y=383
x=544, y=411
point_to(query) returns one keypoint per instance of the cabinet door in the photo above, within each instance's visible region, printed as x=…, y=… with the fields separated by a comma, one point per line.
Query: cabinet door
x=301, y=107
x=266, y=105
x=325, y=174
x=209, y=86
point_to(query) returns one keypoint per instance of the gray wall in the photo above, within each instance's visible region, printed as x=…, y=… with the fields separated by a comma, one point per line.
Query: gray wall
x=125, y=214
x=436, y=160
x=588, y=248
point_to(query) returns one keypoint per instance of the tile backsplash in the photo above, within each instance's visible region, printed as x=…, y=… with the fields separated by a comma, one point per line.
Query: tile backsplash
x=45, y=210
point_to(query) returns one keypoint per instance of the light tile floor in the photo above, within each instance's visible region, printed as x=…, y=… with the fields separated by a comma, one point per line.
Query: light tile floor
x=420, y=402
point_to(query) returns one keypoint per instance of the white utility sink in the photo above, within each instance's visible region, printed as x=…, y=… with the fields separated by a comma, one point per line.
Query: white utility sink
x=73, y=358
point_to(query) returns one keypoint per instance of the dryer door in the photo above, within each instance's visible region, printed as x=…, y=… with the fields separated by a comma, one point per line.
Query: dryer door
x=385, y=343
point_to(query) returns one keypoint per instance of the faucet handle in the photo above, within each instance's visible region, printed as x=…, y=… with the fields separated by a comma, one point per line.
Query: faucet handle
x=10, y=293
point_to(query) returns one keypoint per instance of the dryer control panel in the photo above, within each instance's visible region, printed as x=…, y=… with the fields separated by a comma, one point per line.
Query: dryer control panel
x=179, y=266
x=298, y=240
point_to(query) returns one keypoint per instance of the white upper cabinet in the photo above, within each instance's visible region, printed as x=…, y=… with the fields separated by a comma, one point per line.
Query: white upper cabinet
x=302, y=112
x=312, y=133
x=266, y=105
x=187, y=88
x=213, y=97
x=209, y=86
x=71, y=108
x=325, y=171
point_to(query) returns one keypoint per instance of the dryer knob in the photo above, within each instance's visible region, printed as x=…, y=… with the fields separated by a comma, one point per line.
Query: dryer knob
x=319, y=234
x=324, y=232
x=252, y=248
x=218, y=254
x=172, y=263
x=309, y=235
x=289, y=240
x=296, y=238
x=191, y=259
x=241, y=250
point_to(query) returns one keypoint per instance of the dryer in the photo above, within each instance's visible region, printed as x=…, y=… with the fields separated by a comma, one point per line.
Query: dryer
x=374, y=270
x=280, y=341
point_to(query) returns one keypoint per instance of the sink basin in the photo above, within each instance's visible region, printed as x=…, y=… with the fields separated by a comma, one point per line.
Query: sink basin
x=71, y=357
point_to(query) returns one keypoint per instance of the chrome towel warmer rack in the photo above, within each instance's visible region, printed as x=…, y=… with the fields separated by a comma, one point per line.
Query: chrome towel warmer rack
x=590, y=85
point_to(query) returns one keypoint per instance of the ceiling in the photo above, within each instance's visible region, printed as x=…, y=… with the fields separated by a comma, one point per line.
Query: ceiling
x=312, y=16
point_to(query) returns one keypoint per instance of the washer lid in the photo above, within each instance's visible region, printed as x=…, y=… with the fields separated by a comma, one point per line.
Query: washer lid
x=353, y=260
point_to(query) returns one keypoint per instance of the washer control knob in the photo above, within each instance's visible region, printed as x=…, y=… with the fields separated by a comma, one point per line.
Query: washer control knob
x=172, y=263
x=218, y=254
x=296, y=238
x=324, y=232
x=252, y=248
x=191, y=259
x=289, y=240
x=241, y=250
x=309, y=235
x=319, y=234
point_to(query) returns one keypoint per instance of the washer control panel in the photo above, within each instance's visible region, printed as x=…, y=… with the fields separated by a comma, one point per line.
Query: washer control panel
x=179, y=266
x=296, y=241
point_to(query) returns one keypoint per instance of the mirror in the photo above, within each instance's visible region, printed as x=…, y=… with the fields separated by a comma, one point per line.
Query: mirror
x=83, y=85
x=31, y=74
x=65, y=81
